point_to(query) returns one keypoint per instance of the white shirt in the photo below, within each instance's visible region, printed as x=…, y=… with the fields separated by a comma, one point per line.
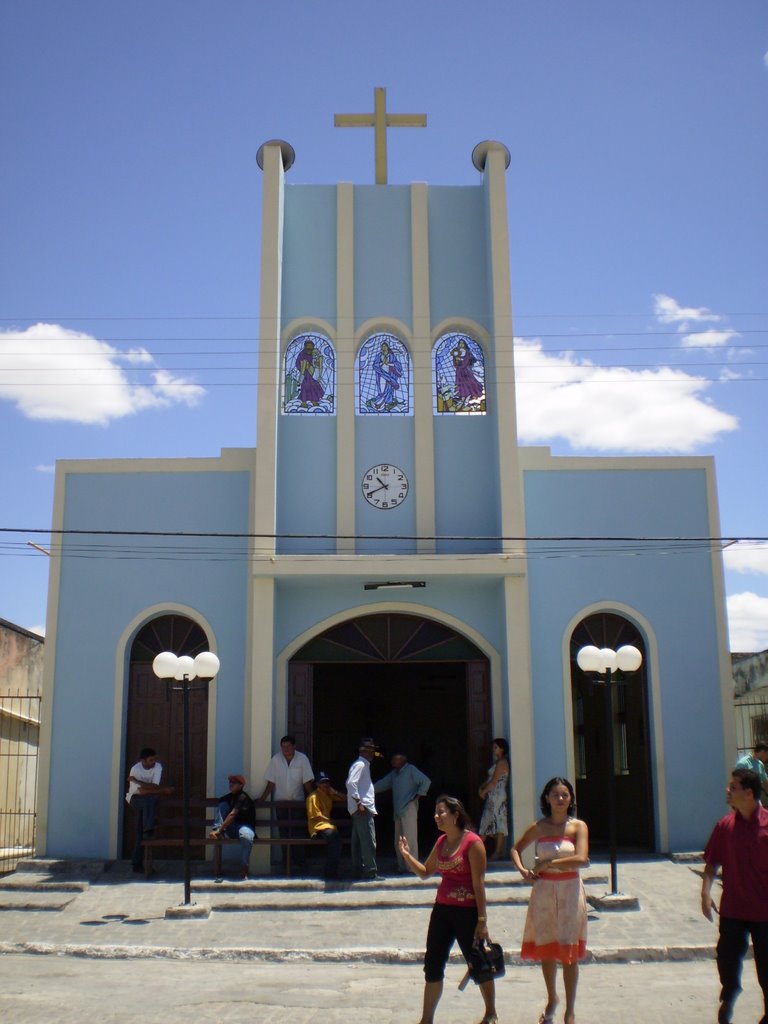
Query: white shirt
x=141, y=774
x=288, y=777
x=360, y=787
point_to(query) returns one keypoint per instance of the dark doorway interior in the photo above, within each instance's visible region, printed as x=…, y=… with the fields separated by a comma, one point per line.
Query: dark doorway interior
x=420, y=709
x=631, y=767
x=154, y=717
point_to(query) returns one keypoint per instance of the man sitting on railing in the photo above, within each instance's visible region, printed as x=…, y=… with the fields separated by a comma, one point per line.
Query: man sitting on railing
x=236, y=819
x=143, y=790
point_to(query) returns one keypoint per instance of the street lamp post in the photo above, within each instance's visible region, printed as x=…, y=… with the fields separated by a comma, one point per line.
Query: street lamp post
x=168, y=666
x=603, y=662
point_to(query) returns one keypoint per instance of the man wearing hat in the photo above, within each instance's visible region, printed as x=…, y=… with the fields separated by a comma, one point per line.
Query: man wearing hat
x=236, y=819
x=319, y=806
x=361, y=804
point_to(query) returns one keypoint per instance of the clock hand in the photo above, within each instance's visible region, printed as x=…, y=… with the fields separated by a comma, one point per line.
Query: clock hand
x=382, y=488
x=385, y=486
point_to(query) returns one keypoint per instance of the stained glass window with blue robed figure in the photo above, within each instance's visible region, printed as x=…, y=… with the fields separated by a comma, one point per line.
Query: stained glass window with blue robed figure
x=383, y=383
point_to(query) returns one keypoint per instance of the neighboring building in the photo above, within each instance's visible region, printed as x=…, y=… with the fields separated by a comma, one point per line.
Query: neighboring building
x=21, y=683
x=750, y=691
x=364, y=569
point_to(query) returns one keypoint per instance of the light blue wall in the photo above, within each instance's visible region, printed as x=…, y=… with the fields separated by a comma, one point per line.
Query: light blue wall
x=306, y=484
x=304, y=604
x=467, y=500
x=309, y=253
x=672, y=588
x=458, y=254
x=383, y=253
x=105, y=584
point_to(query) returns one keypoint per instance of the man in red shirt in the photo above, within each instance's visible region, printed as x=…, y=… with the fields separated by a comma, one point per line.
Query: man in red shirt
x=739, y=845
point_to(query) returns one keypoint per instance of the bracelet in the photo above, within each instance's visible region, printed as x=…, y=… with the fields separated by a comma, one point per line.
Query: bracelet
x=482, y=919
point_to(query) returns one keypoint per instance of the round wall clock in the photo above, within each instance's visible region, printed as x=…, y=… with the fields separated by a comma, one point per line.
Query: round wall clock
x=385, y=486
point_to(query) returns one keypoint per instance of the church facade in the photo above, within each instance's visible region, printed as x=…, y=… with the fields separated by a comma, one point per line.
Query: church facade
x=388, y=561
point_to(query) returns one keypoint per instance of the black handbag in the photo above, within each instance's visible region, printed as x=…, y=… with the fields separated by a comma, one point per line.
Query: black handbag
x=486, y=962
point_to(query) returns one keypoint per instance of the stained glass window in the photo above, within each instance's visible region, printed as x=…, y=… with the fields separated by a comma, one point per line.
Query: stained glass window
x=309, y=376
x=459, y=375
x=383, y=377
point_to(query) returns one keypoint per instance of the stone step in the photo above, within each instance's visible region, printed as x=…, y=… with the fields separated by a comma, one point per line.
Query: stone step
x=34, y=901
x=62, y=866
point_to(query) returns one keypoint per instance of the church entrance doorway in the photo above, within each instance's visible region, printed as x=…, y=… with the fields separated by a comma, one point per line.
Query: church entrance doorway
x=416, y=686
x=631, y=738
x=154, y=717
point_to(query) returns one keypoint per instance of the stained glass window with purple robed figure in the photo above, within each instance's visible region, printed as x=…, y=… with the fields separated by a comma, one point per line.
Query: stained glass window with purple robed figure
x=383, y=383
x=459, y=375
x=309, y=376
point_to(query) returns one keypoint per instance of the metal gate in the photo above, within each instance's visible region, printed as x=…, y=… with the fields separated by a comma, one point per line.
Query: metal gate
x=19, y=743
x=751, y=715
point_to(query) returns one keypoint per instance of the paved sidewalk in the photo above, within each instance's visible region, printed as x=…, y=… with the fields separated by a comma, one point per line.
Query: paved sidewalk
x=116, y=914
x=90, y=945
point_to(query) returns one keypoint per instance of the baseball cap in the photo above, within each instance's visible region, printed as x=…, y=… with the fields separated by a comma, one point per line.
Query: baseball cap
x=236, y=778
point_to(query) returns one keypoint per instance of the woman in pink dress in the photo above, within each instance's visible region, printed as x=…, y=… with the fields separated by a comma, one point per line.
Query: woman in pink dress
x=459, y=914
x=556, y=924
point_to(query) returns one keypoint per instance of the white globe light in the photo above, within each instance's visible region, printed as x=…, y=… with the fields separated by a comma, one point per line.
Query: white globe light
x=607, y=659
x=628, y=658
x=206, y=665
x=165, y=664
x=588, y=659
x=185, y=667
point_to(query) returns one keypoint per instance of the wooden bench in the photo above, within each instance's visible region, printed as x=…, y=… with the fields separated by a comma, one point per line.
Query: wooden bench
x=291, y=832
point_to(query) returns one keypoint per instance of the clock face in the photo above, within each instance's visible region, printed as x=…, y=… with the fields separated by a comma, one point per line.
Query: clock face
x=385, y=486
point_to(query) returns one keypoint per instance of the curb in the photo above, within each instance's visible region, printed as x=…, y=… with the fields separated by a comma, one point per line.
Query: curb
x=605, y=955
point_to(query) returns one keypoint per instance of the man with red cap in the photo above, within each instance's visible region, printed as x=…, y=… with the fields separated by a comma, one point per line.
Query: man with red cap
x=236, y=819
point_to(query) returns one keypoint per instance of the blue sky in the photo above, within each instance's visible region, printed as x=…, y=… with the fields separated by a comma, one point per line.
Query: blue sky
x=130, y=212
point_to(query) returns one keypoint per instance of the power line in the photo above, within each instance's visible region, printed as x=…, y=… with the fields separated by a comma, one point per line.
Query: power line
x=500, y=538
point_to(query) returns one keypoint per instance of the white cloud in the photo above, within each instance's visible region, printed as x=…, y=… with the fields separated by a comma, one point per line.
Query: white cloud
x=52, y=373
x=45, y=468
x=40, y=630
x=748, y=622
x=669, y=311
x=748, y=556
x=709, y=338
x=612, y=409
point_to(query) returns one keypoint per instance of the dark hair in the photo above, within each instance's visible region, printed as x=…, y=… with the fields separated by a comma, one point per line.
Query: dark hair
x=748, y=780
x=288, y=739
x=501, y=742
x=558, y=780
x=761, y=745
x=455, y=806
x=147, y=752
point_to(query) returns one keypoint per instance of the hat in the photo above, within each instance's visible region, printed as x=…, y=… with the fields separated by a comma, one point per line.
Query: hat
x=236, y=778
x=322, y=777
x=367, y=741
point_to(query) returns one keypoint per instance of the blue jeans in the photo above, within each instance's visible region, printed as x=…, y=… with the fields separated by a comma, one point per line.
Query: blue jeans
x=244, y=833
x=731, y=947
x=364, y=844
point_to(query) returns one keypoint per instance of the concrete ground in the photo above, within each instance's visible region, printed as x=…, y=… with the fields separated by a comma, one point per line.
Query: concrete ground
x=91, y=942
x=60, y=990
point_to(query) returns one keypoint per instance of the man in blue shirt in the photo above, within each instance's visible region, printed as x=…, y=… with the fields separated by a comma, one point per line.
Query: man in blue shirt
x=756, y=763
x=408, y=786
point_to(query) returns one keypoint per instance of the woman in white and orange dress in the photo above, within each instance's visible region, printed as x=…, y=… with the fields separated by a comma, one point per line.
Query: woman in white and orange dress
x=556, y=924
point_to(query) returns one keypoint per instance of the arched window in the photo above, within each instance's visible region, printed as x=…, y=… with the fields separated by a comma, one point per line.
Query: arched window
x=383, y=377
x=309, y=376
x=458, y=375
